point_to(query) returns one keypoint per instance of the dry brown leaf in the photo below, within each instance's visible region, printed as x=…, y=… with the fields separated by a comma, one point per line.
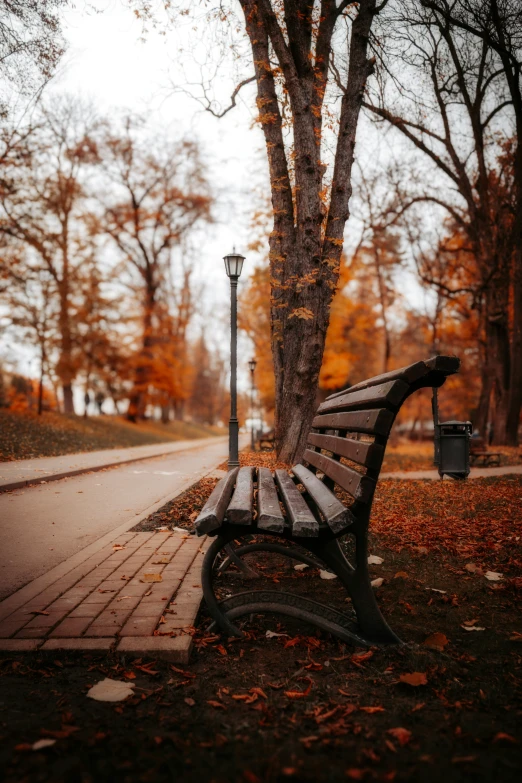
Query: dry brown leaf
x=415, y=678
x=402, y=735
x=436, y=641
x=501, y=736
x=151, y=578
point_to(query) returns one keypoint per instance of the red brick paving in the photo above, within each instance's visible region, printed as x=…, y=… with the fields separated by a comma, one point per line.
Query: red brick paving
x=109, y=601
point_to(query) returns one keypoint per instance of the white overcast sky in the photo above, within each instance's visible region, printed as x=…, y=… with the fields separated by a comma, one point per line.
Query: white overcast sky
x=107, y=62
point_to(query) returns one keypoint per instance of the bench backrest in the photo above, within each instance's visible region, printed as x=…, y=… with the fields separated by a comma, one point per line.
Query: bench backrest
x=367, y=409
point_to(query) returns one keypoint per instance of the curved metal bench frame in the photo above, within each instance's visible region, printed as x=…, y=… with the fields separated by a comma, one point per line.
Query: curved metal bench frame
x=317, y=525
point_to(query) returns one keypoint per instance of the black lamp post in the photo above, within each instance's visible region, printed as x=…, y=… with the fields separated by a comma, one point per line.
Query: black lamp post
x=233, y=265
x=252, y=364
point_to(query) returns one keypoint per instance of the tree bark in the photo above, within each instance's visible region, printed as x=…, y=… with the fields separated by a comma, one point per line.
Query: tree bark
x=498, y=350
x=307, y=240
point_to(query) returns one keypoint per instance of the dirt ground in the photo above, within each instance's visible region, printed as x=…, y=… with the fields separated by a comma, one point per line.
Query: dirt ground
x=303, y=706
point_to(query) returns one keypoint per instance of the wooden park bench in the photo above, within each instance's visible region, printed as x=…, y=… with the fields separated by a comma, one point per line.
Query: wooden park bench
x=480, y=455
x=301, y=515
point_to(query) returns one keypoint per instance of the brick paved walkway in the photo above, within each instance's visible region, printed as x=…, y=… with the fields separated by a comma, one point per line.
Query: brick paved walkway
x=139, y=594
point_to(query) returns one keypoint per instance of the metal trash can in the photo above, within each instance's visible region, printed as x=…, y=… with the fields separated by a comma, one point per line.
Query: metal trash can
x=452, y=444
x=452, y=448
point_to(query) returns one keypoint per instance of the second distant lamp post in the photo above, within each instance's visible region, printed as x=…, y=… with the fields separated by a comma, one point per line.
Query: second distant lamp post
x=252, y=365
x=233, y=265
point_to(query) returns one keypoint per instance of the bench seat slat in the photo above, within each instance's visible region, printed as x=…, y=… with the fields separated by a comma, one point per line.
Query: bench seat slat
x=270, y=516
x=213, y=512
x=367, y=454
x=337, y=516
x=376, y=422
x=303, y=521
x=360, y=487
x=239, y=511
x=385, y=394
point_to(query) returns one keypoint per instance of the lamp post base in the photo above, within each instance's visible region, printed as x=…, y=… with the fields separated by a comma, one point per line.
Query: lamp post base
x=233, y=447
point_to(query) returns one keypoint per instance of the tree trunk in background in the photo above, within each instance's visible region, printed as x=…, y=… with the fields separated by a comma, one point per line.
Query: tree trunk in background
x=64, y=369
x=482, y=419
x=497, y=336
x=515, y=398
x=137, y=401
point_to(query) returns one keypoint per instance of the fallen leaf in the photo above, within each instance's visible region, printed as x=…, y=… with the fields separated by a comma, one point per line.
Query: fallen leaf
x=326, y=574
x=434, y=590
x=377, y=582
x=437, y=641
x=472, y=628
x=401, y=575
x=189, y=701
x=118, y=546
x=299, y=694
x=493, y=576
x=43, y=743
x=515, y=636
x=151, y=578
x=415, y=678
x=372, y=710
x=375, y=560
x=300, y=567
x=501, y=736
x=216, y=704
x=38, y=611
x=221, y=649
x=402, y=735
x=273, y=634
x=110, y=690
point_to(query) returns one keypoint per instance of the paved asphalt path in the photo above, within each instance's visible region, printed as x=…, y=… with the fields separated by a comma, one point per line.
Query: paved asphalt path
x=42, y=525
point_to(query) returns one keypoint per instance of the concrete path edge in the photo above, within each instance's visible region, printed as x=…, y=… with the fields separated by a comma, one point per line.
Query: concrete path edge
x=108, y=460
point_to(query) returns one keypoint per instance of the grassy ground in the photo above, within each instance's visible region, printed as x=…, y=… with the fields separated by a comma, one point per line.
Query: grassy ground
x=26, y=435
x=303, y=706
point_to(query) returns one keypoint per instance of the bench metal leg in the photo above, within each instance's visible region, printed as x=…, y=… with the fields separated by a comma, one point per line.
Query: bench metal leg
x=366, y=627
x=357, y=581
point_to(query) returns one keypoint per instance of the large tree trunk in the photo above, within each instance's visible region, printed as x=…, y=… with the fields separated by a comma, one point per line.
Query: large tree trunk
x=307, y=240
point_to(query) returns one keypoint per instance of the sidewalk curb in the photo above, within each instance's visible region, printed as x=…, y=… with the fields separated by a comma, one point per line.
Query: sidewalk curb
x=20, y=484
